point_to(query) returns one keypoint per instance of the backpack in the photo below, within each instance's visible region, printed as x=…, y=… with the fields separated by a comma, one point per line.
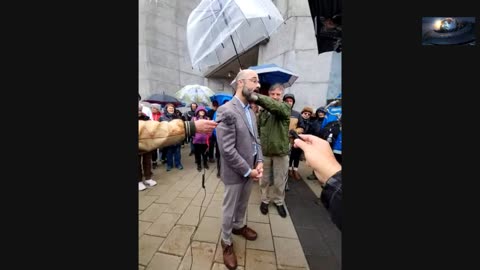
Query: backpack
x=332, y=127
x=331, y=131
x=337, y=146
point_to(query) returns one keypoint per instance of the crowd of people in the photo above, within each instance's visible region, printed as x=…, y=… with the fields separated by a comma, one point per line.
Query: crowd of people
x=250, y=136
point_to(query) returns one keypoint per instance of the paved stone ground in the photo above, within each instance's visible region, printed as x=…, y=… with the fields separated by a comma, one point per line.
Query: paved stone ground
x=320, y=238
x=168, y=216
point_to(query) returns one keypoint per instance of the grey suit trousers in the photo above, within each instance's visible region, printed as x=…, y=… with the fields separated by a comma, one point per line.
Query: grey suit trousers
x=235, y=202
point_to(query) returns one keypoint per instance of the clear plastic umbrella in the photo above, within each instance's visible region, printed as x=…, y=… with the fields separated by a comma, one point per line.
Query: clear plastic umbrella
x=195, y=93
x=218, y=30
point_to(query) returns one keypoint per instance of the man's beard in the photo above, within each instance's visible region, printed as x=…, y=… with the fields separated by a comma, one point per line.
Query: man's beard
x=247, y=94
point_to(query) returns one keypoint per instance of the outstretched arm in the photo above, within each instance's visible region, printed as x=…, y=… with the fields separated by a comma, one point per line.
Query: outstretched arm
x=154, y=134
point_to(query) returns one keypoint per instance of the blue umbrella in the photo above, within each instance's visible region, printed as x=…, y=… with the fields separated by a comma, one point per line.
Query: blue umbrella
x=271, y=74
x=221, y=97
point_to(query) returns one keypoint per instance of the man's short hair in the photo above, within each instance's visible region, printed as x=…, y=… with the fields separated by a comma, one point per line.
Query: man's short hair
x=275, y=86
x=240, y=76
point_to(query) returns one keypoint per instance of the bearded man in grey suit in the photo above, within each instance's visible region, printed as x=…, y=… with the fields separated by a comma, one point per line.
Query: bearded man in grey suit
x=241, y=159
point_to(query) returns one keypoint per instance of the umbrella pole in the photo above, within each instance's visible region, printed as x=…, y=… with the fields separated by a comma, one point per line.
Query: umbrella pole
x=236, y=53
x=234, y=47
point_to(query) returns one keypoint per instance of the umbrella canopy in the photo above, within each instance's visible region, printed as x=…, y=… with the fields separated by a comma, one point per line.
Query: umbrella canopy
x=218, y=30
x=270, y=74
x=327, y=21
x=221, y=97
x=195, y=93
x=164, y=99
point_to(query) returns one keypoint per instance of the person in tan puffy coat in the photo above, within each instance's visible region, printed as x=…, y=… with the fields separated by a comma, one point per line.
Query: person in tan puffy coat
x=153, y=134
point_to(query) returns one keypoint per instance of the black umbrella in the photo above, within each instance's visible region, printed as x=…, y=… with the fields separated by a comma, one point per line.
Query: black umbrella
x=327, y=21
x=164, y=99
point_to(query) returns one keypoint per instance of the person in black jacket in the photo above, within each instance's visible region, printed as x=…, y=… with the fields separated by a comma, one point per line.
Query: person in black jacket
x=212, y=139
x=315, y=129
x=174, y=156
x=188, y=117
x=319, y=156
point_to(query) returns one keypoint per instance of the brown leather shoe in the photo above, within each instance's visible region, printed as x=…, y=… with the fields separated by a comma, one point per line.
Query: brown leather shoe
x=296, y=175
x=290, y=173
x=246, y=232
x=229, y=258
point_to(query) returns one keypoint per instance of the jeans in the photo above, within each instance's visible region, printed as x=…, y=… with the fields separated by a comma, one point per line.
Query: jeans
x=173, y=153
x=192, y=147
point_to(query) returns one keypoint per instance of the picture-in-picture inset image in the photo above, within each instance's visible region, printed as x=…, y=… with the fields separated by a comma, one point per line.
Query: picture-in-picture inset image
x=458, y=31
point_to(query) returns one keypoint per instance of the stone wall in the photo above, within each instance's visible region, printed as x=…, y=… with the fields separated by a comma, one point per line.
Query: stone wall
x=294, y=47
x=164, y=64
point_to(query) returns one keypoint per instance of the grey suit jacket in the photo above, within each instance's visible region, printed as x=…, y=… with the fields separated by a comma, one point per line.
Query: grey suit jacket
x=236, y=141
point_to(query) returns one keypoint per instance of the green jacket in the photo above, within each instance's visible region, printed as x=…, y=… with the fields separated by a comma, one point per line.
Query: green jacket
x=273, y=122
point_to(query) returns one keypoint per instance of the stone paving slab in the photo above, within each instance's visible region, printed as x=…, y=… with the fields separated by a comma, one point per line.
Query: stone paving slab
x=218, y=196
x=212, y=186
x=142, y=227
x=147, y=246
x=145, y=201
x=293, y=268
x=193, y=177
x=177, y=241
x=214, y=209
x=220, y=187
x=203, y=254
x=190, y=216
x=289, y=253
x=255, y=194
x=201, y=195
x=168, y=198
x=178, y=205
x=254, y=214
x=282, y=227
x=213, y=180
x=161, y=261
x=163, y=225
x=259, y=259
x=152, y=212
x=179, y=186
x=209, y=230
x=264, y=239
x=158, y=190
x=189, y=192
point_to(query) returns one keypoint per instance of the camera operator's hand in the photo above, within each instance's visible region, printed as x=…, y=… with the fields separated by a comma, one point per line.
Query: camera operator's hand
x=319, y=156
